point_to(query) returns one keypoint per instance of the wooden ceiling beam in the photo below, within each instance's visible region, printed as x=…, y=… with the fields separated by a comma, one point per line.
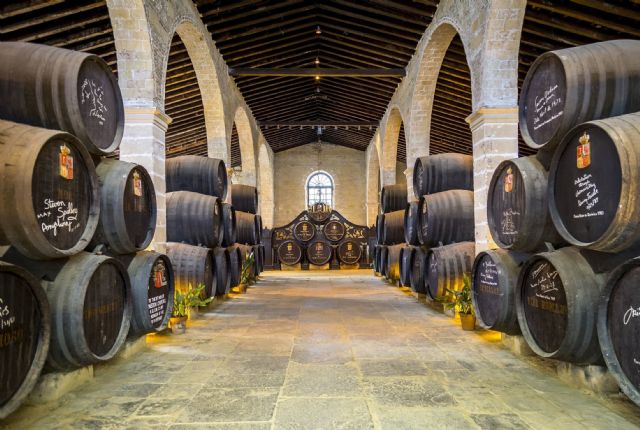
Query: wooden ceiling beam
x=51, y=16
x=16, y=8
x=610, y=8
x=382, y=22
x=322, y=72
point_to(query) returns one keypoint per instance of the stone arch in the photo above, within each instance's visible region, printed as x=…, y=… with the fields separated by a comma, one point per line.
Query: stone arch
x=390, y=146
x=242, y=125
x=373, y=181
x=195, y=41
x=429, y=65
x=265, y=183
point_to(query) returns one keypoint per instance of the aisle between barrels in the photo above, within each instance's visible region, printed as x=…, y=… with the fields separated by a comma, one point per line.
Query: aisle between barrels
x=327, y=350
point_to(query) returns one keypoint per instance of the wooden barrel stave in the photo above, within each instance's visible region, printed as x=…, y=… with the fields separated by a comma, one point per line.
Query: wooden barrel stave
x=593, y=200
x=393, y=198
x=334, y=231
x=447, y=217
x=304, y=231
x=49, y=201
x=517, y=207
x=418, y=265
x=222, y=262
x=412, y=231
x=247, y=228
x=229, y=225
x=289, y=253
x=445, y=267
x=244, y=198
x=619, y=326
x=192, y=266
x=494, y=278
x=393, y=262
x=442, y=172
x=152, y=290
x=235, y=264
x=194, y=218
x=61, y=89
x=349, y=252
x=24, y=335
x=393, y=228
x=202, y=175
x=127, y=207
x=578, y=84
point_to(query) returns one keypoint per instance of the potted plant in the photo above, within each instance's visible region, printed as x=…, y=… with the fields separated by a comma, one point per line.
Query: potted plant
x=182, y=304
x=462, y=303
x=247, y=275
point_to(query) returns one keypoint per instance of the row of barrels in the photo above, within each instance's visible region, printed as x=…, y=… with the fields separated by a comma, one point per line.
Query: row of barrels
x=572, y=304
x=72, y=312
x=305, y=231
x=579, y=108
x=319, y=252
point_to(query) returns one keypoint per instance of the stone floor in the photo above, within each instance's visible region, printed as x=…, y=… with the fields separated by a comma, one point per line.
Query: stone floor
x=327, y=350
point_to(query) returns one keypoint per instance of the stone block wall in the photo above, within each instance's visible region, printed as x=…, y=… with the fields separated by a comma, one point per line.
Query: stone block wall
x=346, y=166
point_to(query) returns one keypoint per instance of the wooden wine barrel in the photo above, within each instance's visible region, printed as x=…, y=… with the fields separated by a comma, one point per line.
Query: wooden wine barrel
x=304, y=231
x=127, y=207
x=594, y=182
x=152, y=289
x=319, y=252
x=192, y=266
x=334, y=231
x=494, y=279
x=446, y=217
x=260, y=228
x=376, y=259
x=60, y=89
x=393, y=198
x=257, y=251
x=235, y=264
x=247, y=228
x=406, y=254
x=393, y=231
x=222, y=262
x=566, y=87
x=24, y=335
x=349, y=252
x=247, y=250
x=49, y=202
x=379, y=228
x=557, y=300
x=289, y=253
x=393, y=262
x=319, y=213
x=446, y=266
x=91, y=308
x=619, y=326
x=418, y=264
x=517, y=208
x=244, y=198
x=197, y=174
x=382, y=260
x=412, y=230
x=442, y=172
x=228, y=224
x=194, y=218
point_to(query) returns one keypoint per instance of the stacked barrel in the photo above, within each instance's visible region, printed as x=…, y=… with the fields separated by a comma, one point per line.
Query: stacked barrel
x=439, y=225
x=249, y=225
x=579, y=107
x=390, y=232
x=73, y=280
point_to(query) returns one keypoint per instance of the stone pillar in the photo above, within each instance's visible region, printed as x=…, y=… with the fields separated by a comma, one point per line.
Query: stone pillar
x=372, y=207
x=388, y=177
x=143, y=143
x=408, y=173
x=495, y=138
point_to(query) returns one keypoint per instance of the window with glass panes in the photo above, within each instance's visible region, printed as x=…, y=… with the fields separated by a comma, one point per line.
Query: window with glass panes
x=319, y=189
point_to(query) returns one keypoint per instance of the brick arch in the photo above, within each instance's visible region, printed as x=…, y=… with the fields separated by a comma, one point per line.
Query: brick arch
x=265, y=182
x=195, y=39
x=247, y=151
x=390, y=146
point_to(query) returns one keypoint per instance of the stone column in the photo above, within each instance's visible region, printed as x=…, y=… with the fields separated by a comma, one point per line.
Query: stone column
x=143, y=143
x=372, y=207
x=495, y=138
x=408, y=173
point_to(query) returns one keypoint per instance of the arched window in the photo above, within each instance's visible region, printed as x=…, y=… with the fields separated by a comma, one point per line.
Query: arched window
x=319, y=189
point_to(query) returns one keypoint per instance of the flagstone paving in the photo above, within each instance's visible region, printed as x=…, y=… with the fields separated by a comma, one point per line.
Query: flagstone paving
x=327, y=350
